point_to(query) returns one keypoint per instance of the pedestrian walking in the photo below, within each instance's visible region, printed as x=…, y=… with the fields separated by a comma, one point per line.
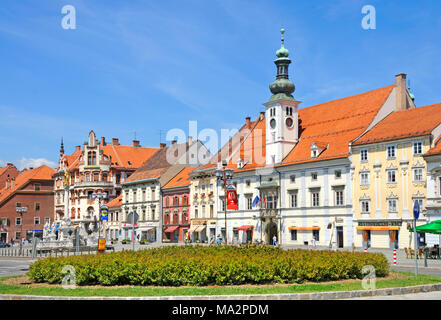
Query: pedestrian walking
x=275, y=241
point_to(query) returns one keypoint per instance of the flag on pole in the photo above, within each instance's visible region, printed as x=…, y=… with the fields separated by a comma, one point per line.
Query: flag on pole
x=256, y=201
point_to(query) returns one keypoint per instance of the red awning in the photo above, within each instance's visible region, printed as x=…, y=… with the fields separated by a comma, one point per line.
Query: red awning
x=171, y=229
x=244, y=228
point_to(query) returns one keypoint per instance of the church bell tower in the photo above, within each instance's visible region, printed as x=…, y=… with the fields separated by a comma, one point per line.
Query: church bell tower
x=281, y=116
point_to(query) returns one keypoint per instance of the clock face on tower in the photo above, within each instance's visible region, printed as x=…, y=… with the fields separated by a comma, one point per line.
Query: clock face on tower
x=289, y=122
x=273, y=123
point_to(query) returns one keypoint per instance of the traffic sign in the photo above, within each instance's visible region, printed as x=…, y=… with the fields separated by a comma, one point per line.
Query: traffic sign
x=104, y=210
x=131, y=216
x=416, y=209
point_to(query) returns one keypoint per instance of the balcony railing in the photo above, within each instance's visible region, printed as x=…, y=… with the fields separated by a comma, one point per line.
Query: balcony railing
x=94, y=184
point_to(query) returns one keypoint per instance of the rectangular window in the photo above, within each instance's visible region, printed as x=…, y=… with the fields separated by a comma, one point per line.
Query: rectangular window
x=364, y=178
x=417, y=148
x=37, y=186
x=18, y=221
x=134, y=196
x=392, y=205
x=418, y=175
x=18, y=235
x=390, y=152
x=364, y=206
x=339, y=198
x=392, y=176
x=153, y=214
x=293, y=199
x=127, y=197
x=249, y=203
x=37, y=220
x=211, y=211
x=420, y=202
x=18, y=204
x=203, y=211
x=143, y=195
x=364, y=155
x=293, y=235
x=222, y=203
x=337, y=174
x=153, y=194
x=314, y=176
x=196, y=214
x=47, y=220
x=315, y=199
x=211, y=186
x=248, y=183
x=292, y=178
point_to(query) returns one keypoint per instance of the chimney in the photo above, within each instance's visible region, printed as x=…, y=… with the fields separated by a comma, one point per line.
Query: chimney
x=10, y=164
x=77, y=148
x=174, y=141
x=248, y=122
x=162, y=145
x=103, y=141
x=136, y=143
x=115, y=141
x=401, y=92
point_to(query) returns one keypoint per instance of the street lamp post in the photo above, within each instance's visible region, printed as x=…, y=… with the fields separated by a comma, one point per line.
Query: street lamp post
x=20, y=211
x=224, y=175
x=100, y=196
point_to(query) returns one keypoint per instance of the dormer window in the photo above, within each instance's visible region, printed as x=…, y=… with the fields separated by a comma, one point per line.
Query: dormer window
x=317, y=149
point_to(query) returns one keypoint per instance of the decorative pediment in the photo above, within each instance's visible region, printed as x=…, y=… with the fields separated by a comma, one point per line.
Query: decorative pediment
x=391, y=166
x=365, y=197
x=364, y=169
x=418, y=194
x=392, y=196
x=418, y=164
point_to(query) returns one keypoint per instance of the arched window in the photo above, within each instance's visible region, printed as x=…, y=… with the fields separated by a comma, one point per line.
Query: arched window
x=175, y=218
x=167, y=203
x=90, y=211
x=176, y=201
x=185, y=200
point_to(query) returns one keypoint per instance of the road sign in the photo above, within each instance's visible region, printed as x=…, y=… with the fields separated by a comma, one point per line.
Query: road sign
x=104, y=210
x=416, y=209
x=130, y=217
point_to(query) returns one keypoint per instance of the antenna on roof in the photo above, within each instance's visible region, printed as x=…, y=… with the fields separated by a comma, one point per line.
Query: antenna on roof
x=135, y=135
x=160, y=131
x=410, y=94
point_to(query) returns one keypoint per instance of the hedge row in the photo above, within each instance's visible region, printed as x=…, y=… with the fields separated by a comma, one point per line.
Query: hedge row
x=209, y=265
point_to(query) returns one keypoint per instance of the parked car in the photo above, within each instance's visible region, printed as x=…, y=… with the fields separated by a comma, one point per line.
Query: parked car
x=4, y=245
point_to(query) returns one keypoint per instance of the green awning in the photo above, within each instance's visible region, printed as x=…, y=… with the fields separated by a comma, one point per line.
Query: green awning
x=432, y=227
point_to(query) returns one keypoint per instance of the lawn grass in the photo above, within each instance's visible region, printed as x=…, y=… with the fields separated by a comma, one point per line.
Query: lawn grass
x=408, y=280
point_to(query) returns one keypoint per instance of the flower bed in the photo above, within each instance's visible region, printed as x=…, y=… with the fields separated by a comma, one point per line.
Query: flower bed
x=213, y=265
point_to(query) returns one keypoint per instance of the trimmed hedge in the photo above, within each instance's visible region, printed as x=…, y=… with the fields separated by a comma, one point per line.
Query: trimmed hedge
x=210, y=265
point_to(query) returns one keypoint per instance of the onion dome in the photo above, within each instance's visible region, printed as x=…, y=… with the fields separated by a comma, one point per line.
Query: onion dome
x=282, y=87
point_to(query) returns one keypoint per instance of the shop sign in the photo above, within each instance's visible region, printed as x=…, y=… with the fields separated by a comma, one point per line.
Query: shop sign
x=379, y=223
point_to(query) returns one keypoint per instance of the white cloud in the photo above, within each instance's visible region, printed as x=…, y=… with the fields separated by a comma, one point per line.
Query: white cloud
x=34, y=163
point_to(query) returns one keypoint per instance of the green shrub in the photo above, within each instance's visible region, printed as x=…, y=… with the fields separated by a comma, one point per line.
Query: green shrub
x=213, y=265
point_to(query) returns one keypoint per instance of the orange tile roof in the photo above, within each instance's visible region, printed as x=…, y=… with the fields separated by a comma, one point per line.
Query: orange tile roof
x=181, y=179
x=436, y=149
x=404, y=124
x=155, y=166
x=128, y=156
x=331, y=125
x=122, y=156
x=40, y=173
x=115, y=202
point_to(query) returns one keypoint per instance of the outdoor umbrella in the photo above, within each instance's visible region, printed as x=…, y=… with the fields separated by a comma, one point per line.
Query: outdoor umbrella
x=432, y=227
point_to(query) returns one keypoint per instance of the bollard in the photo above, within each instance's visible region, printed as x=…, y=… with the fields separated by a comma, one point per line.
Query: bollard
x=395, y=257
x=365, y=250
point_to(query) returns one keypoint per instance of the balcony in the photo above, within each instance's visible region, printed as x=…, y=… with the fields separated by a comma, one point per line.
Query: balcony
x=269, y=212
x=100, y=184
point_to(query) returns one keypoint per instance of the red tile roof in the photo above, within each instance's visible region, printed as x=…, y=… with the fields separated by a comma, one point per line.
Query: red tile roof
x=331, y=125
x=181, y=179
x=115, y=202
x=404, y=124
x=40, y=173
x=155, y=166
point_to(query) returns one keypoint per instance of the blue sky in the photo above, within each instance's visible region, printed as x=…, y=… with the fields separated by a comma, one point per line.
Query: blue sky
x=144, y=66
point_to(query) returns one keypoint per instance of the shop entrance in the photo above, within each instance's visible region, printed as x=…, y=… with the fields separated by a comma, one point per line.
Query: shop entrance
x=340, y=237
x=4, y=237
